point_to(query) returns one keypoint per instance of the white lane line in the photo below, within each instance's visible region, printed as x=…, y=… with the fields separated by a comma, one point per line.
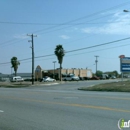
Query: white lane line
x=52, y=84
x=48, y=84
x=1, y=111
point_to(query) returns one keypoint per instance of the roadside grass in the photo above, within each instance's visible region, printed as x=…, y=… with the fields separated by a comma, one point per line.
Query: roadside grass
x=121, y=86
x=14, y=85
x=21, y=84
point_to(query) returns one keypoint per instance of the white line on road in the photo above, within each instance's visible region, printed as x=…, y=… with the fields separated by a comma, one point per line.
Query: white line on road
x=52, y=84
x=1, y=111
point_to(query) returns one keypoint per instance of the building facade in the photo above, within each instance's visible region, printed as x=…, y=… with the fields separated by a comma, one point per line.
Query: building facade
x=40, y=73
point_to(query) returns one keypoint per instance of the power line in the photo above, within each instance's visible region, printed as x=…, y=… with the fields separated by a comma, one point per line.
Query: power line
x=7, y=42
x=100, y=50
x=83, y=23
x=98, y=45
x=65, y=23
x=69, y=25
x=75, y=49
x=71, y=21
x=7, y=63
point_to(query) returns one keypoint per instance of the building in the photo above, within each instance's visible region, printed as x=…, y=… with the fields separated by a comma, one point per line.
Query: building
x=4, y=77
x=40, y=73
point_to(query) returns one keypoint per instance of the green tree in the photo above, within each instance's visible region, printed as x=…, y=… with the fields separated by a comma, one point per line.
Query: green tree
x=15, y=63
x=115, y=73
x=99, y=73
x=60, y=53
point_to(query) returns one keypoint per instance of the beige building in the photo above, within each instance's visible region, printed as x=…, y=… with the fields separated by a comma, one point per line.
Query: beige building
x=39, y=73
x=76, y=72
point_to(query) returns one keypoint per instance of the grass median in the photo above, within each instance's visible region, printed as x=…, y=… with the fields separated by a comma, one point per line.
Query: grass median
x=121, y=86
x=14, y=85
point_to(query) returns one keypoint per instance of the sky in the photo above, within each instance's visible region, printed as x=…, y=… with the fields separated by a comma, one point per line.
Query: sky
x=91, y=28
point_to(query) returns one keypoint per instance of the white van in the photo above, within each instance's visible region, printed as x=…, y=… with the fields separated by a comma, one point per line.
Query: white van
x=16, y=79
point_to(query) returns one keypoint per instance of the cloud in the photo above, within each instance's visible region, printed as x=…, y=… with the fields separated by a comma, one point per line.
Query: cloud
x=118, y=24
x=21, y=36
x=64, y=37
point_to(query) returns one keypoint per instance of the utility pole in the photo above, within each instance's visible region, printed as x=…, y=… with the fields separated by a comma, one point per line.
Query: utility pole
x=32, y=55
x=96, y=62
x=54, y=69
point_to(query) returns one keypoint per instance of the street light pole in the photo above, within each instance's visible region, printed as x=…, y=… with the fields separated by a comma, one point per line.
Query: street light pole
x=96, y=62
x=126, y=11
x=54, y=69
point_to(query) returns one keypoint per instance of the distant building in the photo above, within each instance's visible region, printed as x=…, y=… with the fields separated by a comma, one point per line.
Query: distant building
x=40, y=73
x=24, y=75
x=4, y=77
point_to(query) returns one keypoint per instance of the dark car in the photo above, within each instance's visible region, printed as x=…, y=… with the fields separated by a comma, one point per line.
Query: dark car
x=95, y=78
x=87, y=78
x=81, y=78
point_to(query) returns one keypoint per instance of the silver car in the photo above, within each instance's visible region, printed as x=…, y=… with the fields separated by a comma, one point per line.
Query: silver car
x=48, y=79
x=75, y=78
x=70, y=78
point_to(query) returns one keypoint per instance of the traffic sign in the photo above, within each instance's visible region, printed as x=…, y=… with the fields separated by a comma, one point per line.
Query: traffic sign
x=125, y=64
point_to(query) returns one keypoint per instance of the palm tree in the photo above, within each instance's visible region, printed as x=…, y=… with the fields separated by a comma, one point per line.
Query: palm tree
x=15, y=63
x=60, y=52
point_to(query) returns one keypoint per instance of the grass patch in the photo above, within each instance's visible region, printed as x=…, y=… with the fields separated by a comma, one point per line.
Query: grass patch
x=14, y=85
x=110, y=87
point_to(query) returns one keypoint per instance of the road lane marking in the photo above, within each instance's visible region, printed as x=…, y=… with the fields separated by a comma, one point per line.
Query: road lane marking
x=1, y=111
x=47, y=84
x=107, y=97
x=70, y=94
x=52, y=84
x=74, y=105
x=116, y=98
x=62, y=92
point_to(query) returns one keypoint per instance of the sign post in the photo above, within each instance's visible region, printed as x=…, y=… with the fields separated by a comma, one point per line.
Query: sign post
x=124, y=64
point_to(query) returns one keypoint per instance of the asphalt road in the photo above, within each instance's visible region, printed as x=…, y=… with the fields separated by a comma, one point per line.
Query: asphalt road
x=62, y=107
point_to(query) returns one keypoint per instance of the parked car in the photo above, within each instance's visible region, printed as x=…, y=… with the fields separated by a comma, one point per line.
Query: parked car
x=17, y=79
x=30, y=79
x=113, y=77
x=81, y=78
x=70, y=77
x=95, y=78
x=104, y=76
x=87, y=78
x=75, y=78
x=48, y=79
x=27, y=79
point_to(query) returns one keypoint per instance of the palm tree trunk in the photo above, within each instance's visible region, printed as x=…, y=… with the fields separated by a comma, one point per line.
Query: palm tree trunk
x=15, y=72
x=60, y=72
